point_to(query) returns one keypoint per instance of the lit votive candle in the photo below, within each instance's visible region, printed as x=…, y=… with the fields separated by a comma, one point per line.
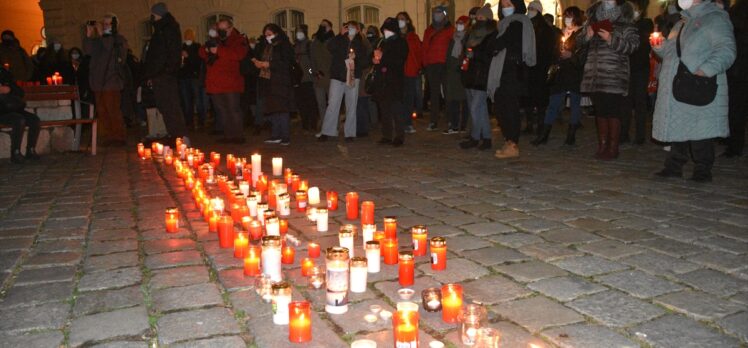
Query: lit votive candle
x=389, y=251
x=225, y=231
x=367, y=232
x=306, y=265
x=256, y=166
x=451, y=302
x=288, y=255
x=359, y=270
x=332, y=200
x=390, y=227
x=438, y=253
x=252, y=205
x=406, y=268
x=172, y=220
x=351, y=205
x=346, y=237
x=272, y=226
x=367, y=213
x=300, y=322
x=313, y=196
x=284, y=204
x=252, y=261
x=213, y=222
x=432, y=299
x=255, y=230
x=372, y=256
x=313, y=250
x=241, y=246
x=419, y=234
x=301, y=201
x=283, y=226
x=321, y=220
x=277, y=166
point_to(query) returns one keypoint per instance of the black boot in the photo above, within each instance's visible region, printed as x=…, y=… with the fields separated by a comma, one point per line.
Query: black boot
x=571, y=135
x=542, y=138
x=485, y=144
x=16, y=156
x=470, y=143
x=31, y=154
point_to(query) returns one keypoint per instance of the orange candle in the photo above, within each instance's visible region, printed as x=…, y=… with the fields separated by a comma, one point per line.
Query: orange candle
x=49, y=81
x=405, y=325
x=299, y=322
x=141, y=149
x=378, y=236
x=390, y=227
x=406, y=268
x=451, y=302
x=283, y=226
x=246, y=220
x=306, y=266
x=241, y=246
x=168, y=159
x=215, y=159
x=438, y=253
x=225, y=231
x=295, y=182
x=420, y=235
x=262, y=183
x=301, y=201
x=172, y=220
x=288, y=254
x=332, y=200
x=313, y=250
x=255, y=229
x=351, y=205
x=252, y=261
x=213, y=222
x=367, y=213
x=389, y=251
x=303, y=185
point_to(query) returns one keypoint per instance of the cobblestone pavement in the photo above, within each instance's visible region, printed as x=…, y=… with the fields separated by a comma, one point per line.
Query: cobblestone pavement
x=564, y=250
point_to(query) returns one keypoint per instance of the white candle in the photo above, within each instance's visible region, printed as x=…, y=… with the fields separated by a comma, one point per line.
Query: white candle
x=256, y=167
x=367, y=231
x=311, y=214
x=272, y=227
x=244, y=187
x=261, y=207
x=373, y=257
x=313, y=196
x=280, y=306
x=284, y=204
x=271, y=261
x=217, y=205
x=364, y=344
x=252, y=205
x=321, y=220
x=358, y=275
x=277, y=166
x=346, y=238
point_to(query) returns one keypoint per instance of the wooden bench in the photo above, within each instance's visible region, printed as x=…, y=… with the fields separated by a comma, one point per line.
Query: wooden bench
x=57, y=93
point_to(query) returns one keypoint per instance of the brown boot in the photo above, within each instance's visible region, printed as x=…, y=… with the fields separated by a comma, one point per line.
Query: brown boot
x=602, y=136
x=614, y=127
x=509, y=150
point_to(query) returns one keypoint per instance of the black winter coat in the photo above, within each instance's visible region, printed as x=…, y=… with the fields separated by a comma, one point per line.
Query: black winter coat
x=192, y=64
x=569, y=74
x=738, y=73
x=639, y=60
x=514, y=79
x=164, y=54
x=277, y=92
x=391, y=69
x=480, y=56
x=338, y=47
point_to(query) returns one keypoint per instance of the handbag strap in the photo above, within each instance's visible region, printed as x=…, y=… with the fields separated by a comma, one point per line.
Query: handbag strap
x=677, y=41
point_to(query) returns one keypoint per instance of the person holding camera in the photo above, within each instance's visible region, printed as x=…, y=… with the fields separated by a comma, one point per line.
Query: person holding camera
x=161, y=68
x=108, y=51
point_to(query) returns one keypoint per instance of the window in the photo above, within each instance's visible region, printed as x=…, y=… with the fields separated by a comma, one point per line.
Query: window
x=369, y=15
x=288, y=20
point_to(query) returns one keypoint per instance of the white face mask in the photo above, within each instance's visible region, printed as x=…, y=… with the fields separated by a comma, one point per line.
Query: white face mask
x=352, y=31
x=685, y=4
x=252, y=46
x=507, y=11
x=270, y=38
x=460, y=27
x=532, y=13
x=57, y=46
x=300, y=36
x=75, y=56
x=188, y=42
x=388, y=34
x=212, y=33
x=637, y=14
x=609, y=4
x=568, y=21
x=401, y=23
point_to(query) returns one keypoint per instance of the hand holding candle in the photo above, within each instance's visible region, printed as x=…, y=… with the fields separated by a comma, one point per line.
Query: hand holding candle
x=656, y=39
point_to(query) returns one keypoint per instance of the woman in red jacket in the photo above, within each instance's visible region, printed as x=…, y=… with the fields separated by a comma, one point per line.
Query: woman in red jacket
x=412, y=69
x=435, y=44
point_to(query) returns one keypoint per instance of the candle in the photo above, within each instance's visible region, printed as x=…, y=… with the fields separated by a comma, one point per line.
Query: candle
x=316, y=278
x=288, y=255
x=215, y=158
x=225, y=231
x=256, y=167
x=311, y=214
x=141, y=149
x=351, y=205
x=306, y=266
x=241, y=246
x=406, y=268
x=367, y=213
x=159, y=148
x=405, y=325
x=252, y=261
x=656, y=38
x=438, y=253
x=432, y=299
x=303, y=185
x=451, y=302
x=332, y=200
x=262, y=182
x=379, y=236
x=261, y=208
x=252, y=205
x=284, y=204
x=336, y=299
x=49, y=81
x=217, y=205
x=172, y=220
x=277, y=166
x=272, y=226
x=271, y=258
x=281, y=300
x=367, y=232
x=213, y=222
x=295, y=183
x=490, y=337
x=419, y=234
x=168, y=159
x=390, y=227
x=283, y=225
x=389, y=251
x=321, y=217
x=472, y=319
x=346, y=237
x=255, y=230
x=313, y=196
x=301, y=201
x=359, y=271
x=364, y=344
x=313, y=250
x=300, y=322
x=246, y=220
x=244, y=187
x=372, y=256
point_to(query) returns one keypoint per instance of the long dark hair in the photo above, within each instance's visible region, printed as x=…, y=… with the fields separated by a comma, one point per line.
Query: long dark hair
x=409, y=25
x=280, y=34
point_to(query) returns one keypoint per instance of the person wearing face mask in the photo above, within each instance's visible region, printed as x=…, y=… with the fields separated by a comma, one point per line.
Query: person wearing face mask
x=513, y=51
x=322, y=59
x=275, y=56
x=639, y=77
x=161, y=69
x=190, y=88
x=454, y=91
x=566, y=80
x=366, y=110
x=56, y=60
x=389, y=65
x=478, y=49
x=708, y=49
x=79, y=65
x=305, y=90
x=224, y=81
x=609, y=36
x=349, y=59
x=737, y=79
x=15, y=56
x=412, y=96
x=436, y=40
x=107, y=50
x=546, y=50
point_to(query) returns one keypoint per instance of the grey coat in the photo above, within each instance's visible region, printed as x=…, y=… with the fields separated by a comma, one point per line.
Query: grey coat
x=104, y=74
x=607, y=67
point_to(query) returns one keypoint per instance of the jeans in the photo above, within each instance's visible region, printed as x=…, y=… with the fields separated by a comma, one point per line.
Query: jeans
x=338, y=90
x=392, y=120
x=410, y=98
x=191, y=96
x=458, y=112
x=479, y=112
x=281, y=126
x=229, y=108
x=435, y=74
x=166, y=94
x=363, y=115
x=556, y=104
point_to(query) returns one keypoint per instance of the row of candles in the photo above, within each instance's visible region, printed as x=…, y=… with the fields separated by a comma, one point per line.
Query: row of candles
x=344, y=271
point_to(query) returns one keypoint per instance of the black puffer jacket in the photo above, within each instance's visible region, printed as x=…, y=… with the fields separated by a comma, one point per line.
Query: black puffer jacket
x=164, y=54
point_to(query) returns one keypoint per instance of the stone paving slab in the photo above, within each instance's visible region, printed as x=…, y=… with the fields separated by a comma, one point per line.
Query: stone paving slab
x=615, y=309
x=699, y=305
x=565, y=289
x=639, y=284
x=34, y=339
x=588, y=266
x=493, y=289
x=736, y=324
x=179, y=276
x=587, y=336
x=123, y=323
x=106, y=300
x=201, y=323
x=112, y=279
x=30, y=295
x=45, y=275
x=187, y=297
x=530, y=271
x=537, y=313
x=174, y=259
x=679, y=331
x=43, y=317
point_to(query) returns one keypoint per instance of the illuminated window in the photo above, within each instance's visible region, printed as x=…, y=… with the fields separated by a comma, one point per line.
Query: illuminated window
x=288, y=20
x=369, y=15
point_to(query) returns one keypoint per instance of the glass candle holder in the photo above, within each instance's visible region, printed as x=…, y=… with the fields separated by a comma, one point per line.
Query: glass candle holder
x=438, y=247
x=389, y=251
x=299, y=322
x=311, y=215
x=306, y=266
x=272, y=226
x=277, y=166
x=284, y=204
x=332, y=200
x=432, y=299
x=313, y=249
x=406, y=268
x=281, y=299
x=316, y=278
x=241, y=246
x=405, y=327
x=337, y=279
x=346, y=236
x=367, y=232
x=390, y=227
x=419, y=235
x=226, y=231
x=373, y=256
x=271, y=258
x=367, y=213
x=172, y=220
x=487, y=337
x=255, y=230
x=313, y=196
x=264, y=288
x=451, y=302
x=351, y=205
x=322, y=217
x=301, y=201
x=472, y=318
x=359, y=272
x=288, y=254
x=252, y=261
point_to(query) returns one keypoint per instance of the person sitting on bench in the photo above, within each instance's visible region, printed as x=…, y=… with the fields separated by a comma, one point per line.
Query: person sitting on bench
x=13, y=113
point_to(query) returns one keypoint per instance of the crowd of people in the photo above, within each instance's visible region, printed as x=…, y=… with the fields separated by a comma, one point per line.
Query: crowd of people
x=610, y=58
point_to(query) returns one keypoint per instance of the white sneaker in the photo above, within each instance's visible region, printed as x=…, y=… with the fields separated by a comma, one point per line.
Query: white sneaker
x=410, y=129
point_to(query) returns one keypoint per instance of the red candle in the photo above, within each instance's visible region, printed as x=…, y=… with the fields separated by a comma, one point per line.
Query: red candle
x=303, y=185
x=438, y=253
x=332, y=200
x=419, y=234
x=656, y=38
x=296, y=183
x=169, y=160
x=306, y=266
x=390, y=227
x=313, y=250
x=379, y=236
x=213, y=222
x=283, y=223
x=389, y=251
x=367, y=213
x=246, y=220
x=288, y=254
x=299, y=322
x=225, y=231
x=351, y=205
x=172, y=220
x=406, y=268
x=49, y=81
x=141, y=149
x=255, y=229
x=215, y=159
x=451, y=302
x=252, y=261
x=241, y=246
x=301, y=201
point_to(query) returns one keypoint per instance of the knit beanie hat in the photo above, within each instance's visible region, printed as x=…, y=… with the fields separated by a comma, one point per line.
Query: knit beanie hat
x=159, y=9
x=485, y=11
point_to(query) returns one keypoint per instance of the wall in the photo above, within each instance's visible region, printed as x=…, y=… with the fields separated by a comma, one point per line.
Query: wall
x=28, y=29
